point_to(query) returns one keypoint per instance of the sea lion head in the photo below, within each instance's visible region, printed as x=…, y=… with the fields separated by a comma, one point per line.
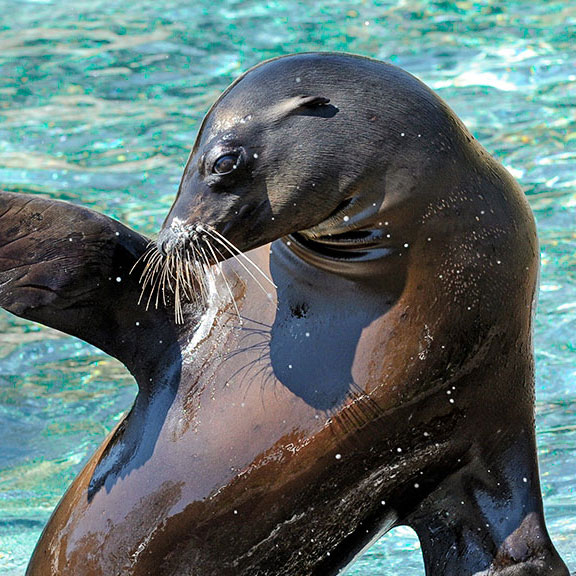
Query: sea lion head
x=318, y=146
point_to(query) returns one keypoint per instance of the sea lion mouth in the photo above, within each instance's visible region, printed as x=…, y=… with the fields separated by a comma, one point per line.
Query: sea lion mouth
x=352, y=245
x=352, y=239
x=350, y=226
x=339, y=232
x=340, y=209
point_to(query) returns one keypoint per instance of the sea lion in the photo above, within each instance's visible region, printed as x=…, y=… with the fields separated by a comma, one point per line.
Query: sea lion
x=384, y=376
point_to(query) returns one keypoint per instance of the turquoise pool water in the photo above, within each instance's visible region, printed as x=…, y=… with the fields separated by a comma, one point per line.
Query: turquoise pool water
x=100, y=101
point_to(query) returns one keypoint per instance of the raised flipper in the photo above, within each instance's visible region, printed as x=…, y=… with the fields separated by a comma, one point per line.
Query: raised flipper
x=69, y=268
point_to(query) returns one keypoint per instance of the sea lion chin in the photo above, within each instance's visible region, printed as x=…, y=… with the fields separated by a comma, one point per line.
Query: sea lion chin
x=384, y=376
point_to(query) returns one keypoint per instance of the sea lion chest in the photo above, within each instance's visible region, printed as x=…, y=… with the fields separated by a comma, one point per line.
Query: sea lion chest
x=301, y=335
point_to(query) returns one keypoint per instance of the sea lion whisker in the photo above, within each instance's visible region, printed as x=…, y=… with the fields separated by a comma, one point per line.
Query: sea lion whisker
x=179, y=317
x=222, y=273
x=248, y=271
x=187, y=270
x=165, y=275
x=150, y=249
x=184, y=288
x=155, y=283
x=148, y=258
x=189, y=284
x=149, y=277
x=202, y=271
x=152, y=267
x=173, y=276
x=234, y=251
x=153, y=280
x=161, y=280
x=146, y=261
x=204, y=265
x=195, y=273
x=189, y=266
x=149, y=269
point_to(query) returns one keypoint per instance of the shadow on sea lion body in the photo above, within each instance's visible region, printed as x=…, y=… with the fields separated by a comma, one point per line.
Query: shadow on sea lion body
x=307, y=352
x=385, y=377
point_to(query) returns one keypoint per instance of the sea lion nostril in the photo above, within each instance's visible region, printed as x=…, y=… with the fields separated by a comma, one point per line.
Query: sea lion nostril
x=166, y=242
x=174, y=238
x=162, y=244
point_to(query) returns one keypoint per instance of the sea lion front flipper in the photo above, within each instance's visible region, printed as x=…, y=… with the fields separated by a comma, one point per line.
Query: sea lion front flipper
x=487, y=519
x=68, y=267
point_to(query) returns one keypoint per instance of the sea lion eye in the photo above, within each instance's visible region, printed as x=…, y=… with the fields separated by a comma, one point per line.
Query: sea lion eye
x=225, y=164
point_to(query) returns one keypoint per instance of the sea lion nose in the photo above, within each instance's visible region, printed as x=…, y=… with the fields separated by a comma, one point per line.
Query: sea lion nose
x=170, y=240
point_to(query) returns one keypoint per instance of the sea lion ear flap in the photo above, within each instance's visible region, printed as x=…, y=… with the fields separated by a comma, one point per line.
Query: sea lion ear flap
x=313, y=101
x=306, y=106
